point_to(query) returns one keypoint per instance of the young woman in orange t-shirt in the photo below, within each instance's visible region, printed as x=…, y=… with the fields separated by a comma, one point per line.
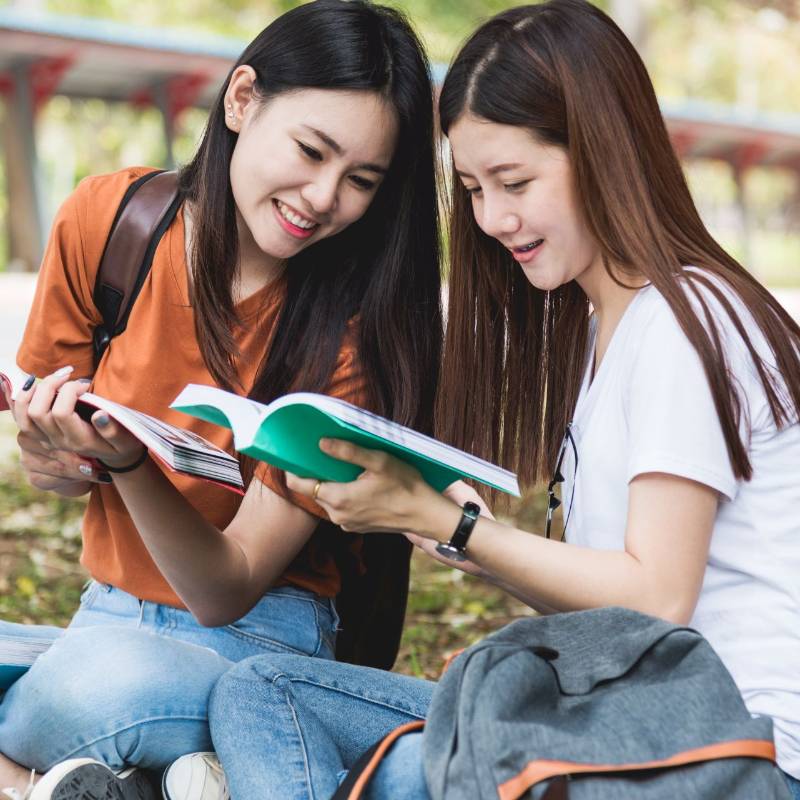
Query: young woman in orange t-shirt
x=310, y=263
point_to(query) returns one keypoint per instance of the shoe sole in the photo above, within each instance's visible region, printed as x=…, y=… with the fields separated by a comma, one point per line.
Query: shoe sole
x=96, y=782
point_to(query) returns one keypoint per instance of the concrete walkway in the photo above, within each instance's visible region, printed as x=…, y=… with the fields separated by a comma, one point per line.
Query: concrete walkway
x=16, y=294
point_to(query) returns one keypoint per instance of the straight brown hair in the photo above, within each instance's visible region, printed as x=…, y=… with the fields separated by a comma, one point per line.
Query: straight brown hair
x=567, y=73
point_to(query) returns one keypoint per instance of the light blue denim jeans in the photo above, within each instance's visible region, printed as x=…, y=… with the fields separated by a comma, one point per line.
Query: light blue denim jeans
x=128, y=681
x=289, y=728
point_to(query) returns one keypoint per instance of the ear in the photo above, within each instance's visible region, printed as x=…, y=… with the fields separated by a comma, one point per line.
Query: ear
x=239, y=96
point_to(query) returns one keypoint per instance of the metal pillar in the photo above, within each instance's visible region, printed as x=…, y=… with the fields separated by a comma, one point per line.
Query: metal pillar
x=162, y=100
x=745, y=218
x=26, y=217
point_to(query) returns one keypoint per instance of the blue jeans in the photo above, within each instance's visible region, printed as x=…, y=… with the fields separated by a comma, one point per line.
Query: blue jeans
x=289, y=728
x=794, y=786
x=128, y=681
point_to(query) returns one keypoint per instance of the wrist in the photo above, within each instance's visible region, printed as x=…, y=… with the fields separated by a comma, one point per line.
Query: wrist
x=124, y=462
x=455, y=548
x=439, y=519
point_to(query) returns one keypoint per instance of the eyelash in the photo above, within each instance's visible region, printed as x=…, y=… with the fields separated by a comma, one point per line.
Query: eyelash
x=509, y=187
x=362, y=183
x=315, y=155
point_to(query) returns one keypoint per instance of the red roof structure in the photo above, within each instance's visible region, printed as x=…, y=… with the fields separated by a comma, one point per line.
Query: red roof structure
x=41, y=55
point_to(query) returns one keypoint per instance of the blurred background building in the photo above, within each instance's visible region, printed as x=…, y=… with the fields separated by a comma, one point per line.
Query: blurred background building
x=89, y=86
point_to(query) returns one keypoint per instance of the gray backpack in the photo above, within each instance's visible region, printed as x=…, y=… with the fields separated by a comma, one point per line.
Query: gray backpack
x=607, y=703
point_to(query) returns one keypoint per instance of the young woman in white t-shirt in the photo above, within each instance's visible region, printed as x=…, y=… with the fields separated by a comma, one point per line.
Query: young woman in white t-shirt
x=669, y=414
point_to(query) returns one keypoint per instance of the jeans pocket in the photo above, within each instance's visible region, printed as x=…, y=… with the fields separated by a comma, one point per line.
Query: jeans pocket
x=282, y=622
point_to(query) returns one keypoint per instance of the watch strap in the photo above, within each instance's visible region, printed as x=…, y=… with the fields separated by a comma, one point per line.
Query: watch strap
x=455, y=549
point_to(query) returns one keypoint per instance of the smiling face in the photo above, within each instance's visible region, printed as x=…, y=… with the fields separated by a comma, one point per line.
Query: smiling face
x=306, y=163
x=523, y=195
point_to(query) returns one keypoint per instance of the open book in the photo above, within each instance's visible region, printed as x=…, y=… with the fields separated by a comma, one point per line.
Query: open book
x=17, y=654
x=286, y=433
x=182, y=451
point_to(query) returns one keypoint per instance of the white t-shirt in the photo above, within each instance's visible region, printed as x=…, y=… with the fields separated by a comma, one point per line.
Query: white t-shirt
x=650, y=409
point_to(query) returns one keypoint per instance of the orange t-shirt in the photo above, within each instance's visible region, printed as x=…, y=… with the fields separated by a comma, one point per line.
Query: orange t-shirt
x=145, y=368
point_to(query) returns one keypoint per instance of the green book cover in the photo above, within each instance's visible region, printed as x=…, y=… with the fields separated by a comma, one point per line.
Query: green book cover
x=286, y=433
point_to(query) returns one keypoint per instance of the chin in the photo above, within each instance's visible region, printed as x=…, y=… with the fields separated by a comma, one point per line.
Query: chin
x=543, y=281
x=278, y=249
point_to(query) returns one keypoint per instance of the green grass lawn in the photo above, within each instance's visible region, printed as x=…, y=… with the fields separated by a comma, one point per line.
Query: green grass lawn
x=41, y=579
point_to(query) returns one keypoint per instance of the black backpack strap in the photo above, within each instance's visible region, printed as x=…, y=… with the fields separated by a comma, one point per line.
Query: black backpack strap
x=146, y=211
x=360, y=774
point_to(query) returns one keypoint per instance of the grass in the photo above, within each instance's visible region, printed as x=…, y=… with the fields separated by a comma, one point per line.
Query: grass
x=41, y=578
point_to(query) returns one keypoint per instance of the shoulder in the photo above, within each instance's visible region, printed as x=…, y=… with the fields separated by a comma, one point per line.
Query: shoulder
x=712, y=299
x=90, y=210
x=97, y=197
x=660, y=345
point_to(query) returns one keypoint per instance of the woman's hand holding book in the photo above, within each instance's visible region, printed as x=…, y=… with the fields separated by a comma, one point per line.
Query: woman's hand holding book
x=58, y=447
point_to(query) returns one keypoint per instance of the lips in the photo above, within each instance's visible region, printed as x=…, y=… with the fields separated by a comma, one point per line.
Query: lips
x=526, y=253
x=292, y=221
x=527, y=247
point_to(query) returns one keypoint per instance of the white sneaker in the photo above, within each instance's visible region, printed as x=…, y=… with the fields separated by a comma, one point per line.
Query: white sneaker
x=195, y=776
x=87, y=779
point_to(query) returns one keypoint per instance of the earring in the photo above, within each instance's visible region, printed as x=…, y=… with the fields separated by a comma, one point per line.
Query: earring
x=230, y=111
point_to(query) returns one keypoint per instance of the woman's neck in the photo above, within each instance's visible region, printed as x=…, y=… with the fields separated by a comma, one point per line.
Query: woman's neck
x=256, y=268
x=609, y=299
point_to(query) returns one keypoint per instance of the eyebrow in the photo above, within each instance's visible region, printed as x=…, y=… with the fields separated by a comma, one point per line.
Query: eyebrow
x=492, y=170
x=339, y=150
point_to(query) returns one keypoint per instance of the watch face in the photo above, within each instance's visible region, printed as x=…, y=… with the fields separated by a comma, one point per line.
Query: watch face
x=472, y=509
x=448, y=551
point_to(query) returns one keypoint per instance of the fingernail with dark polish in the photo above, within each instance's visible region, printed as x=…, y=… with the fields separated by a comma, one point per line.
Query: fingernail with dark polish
x=102, y=421
x=104, y=477
x=28, y=383
x=84, y=380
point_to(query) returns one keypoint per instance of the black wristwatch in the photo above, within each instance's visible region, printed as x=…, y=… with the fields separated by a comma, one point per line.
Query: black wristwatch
x=456, y=548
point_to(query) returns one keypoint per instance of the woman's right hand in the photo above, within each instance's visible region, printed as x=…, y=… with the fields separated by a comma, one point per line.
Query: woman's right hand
x=46, y=466
x=60, y=471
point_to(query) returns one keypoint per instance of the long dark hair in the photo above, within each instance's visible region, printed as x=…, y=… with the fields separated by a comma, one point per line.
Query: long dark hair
x=382, y=270
x=567, y=73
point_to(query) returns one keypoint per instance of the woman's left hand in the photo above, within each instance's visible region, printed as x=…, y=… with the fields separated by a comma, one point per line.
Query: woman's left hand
x=388, y=497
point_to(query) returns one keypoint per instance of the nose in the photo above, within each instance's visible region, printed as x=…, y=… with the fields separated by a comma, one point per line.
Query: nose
x=496, y=219
x=321, y=193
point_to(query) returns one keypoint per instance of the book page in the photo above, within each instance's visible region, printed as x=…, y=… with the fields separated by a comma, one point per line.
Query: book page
x=180, y=449
x=242, y=415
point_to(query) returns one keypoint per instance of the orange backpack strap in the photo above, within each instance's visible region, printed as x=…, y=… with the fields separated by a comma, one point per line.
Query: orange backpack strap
x=362, y=771
x=538, y=771
x=147, y=209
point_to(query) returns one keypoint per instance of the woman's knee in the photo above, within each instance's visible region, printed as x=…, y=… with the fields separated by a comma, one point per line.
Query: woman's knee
x=258, y=675
x=99, y=685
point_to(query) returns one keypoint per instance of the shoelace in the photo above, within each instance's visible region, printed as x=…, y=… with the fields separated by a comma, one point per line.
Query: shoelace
x=217, y=767
x=15, y=794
